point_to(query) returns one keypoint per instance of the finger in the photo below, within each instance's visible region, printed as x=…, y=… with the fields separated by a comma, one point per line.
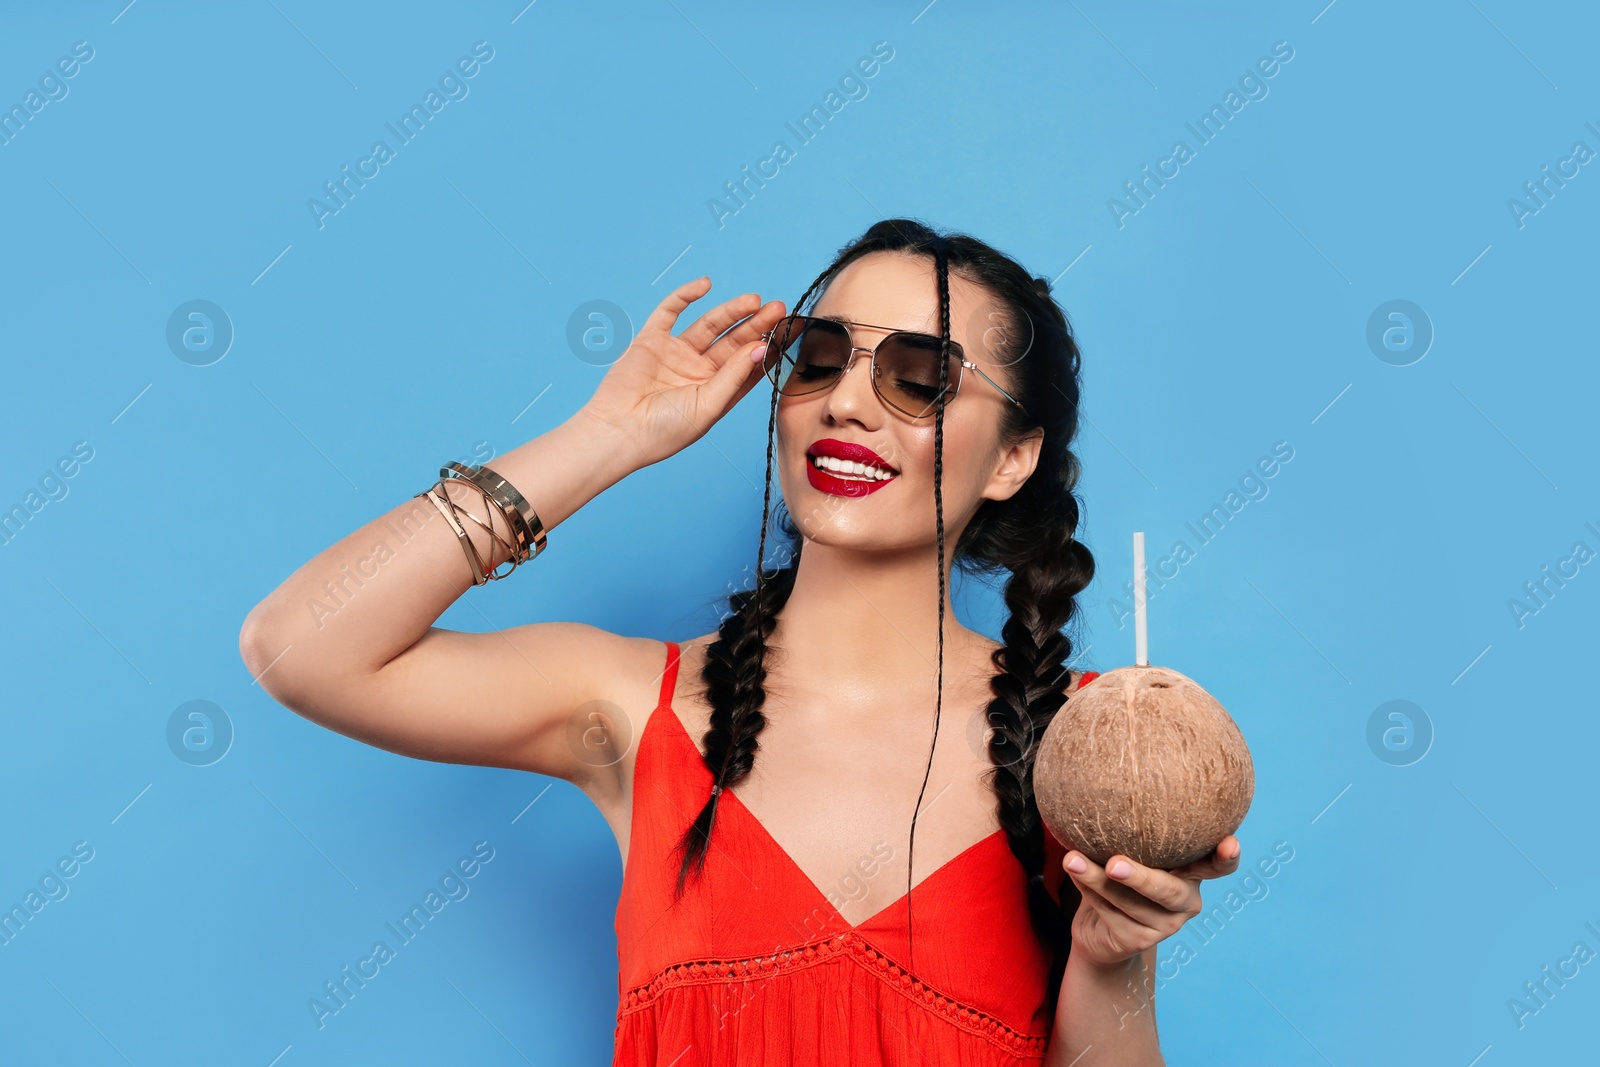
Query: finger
x=736, y=377
x=1123, y=928
x=738, y=367
x=1094, y=880
x=665, y=316
x=740, y=337
x=1214, y=865
x=1134, y=903
x=737, y=342
x=1152, y=883
x=708, y=327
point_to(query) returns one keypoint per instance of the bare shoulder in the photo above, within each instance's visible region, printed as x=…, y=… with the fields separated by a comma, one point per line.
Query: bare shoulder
x=606, y=735
x=614, y=734
x=688, y=695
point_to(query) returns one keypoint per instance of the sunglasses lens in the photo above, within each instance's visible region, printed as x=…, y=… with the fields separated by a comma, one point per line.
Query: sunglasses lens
x=908, y=373
x=805, y=355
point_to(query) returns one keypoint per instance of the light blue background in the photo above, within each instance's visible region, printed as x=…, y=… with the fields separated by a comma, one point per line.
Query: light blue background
x=1228, y=314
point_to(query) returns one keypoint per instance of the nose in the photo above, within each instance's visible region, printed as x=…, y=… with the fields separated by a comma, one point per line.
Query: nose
x=852, y=394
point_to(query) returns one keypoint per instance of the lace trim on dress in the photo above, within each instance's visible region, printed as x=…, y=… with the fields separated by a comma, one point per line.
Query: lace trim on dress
x=712, y=972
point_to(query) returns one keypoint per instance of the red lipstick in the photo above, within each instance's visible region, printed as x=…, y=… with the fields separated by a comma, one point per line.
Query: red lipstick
x=829, y=482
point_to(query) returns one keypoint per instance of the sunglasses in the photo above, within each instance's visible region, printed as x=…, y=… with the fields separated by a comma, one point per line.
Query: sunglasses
x=806, y=354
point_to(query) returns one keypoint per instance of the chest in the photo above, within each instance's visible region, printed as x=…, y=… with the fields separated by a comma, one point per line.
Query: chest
x=834, y=801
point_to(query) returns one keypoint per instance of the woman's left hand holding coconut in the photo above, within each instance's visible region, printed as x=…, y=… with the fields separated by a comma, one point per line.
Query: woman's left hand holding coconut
x=1128, y=908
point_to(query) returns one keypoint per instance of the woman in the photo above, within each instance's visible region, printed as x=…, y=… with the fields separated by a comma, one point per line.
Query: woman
x=915, y=911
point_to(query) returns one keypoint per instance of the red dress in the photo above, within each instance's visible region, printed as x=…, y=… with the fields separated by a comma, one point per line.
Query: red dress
x=754, y=966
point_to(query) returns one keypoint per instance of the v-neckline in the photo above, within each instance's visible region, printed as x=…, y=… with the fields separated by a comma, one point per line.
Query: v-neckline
x=816, y=890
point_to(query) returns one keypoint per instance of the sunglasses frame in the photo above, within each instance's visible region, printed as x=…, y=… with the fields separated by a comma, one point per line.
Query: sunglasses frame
x=955, y=349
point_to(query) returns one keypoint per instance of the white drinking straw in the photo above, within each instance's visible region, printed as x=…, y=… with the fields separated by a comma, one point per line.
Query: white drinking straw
x=1141, y=641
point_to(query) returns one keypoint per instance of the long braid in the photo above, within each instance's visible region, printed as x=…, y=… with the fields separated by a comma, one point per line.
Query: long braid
x=1028, y=692
x=1035, y=542
x=735, y=670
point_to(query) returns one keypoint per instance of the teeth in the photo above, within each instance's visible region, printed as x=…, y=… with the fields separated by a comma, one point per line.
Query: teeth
x=850, y=469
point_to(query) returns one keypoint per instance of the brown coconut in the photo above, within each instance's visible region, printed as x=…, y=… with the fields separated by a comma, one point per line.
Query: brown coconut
x=1142, y=762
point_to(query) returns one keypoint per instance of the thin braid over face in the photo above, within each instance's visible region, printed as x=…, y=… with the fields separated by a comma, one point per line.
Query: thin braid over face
x=942, y=273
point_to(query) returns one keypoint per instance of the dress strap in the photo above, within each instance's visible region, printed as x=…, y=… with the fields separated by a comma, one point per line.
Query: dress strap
x=669, y=677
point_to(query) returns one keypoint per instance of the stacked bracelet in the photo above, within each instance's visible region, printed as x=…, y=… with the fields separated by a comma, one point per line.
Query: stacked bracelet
x=527, y=531
x=520, y=516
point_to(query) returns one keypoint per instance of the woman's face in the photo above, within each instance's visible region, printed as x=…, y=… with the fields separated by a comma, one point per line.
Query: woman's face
x=899, y=291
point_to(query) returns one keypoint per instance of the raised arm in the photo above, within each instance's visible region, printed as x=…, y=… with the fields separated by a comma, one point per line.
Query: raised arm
x=348, y=640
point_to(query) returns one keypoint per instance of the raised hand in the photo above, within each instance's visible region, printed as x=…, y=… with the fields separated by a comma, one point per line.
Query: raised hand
x=666, y=391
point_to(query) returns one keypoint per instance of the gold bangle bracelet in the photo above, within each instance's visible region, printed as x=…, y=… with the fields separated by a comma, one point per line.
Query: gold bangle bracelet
x=514, y=555
x=471, y=550
x=525, y=522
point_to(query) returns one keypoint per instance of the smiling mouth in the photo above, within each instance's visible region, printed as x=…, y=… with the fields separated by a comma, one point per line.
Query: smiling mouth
x=849, y=470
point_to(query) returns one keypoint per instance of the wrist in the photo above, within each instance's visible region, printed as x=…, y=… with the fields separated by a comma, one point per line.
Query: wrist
x=1101, y=972
x=565, y=467
x=1125, y=988
x=1108, y=1004
x=616, y=449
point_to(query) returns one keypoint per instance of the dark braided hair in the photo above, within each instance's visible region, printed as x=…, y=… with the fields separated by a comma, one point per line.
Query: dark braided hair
x=1029, y=535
